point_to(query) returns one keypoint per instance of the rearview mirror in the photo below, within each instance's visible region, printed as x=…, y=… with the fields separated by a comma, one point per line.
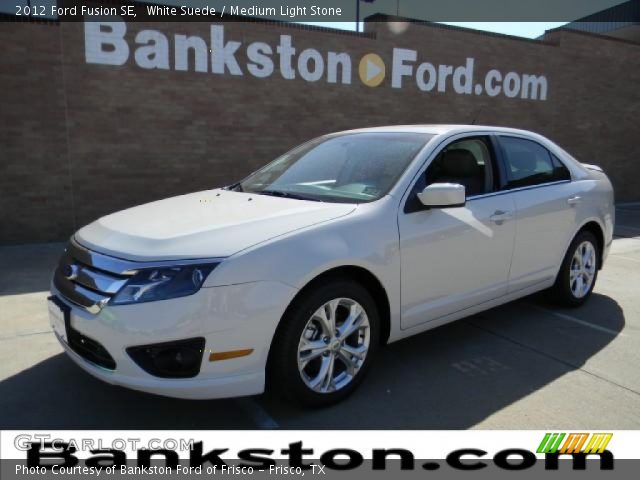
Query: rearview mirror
x=443, y=195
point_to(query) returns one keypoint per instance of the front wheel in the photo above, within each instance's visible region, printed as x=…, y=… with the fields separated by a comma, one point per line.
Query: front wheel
x=325, y=344
x=578, y=273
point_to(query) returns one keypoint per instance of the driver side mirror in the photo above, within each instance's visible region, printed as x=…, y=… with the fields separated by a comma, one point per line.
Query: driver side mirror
x=443, y=195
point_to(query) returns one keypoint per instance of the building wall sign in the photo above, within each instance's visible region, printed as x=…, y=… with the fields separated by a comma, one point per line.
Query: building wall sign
x=106, y=43
x=116, y=113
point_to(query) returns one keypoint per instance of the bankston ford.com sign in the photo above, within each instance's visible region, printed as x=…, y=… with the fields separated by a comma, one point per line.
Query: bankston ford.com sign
x=106, y=44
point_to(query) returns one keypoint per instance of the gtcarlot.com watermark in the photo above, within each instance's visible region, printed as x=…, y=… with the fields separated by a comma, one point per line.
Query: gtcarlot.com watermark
x=25, y=443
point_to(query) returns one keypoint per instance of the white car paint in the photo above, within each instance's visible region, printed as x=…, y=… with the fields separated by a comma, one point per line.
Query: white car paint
x=197, y=224
x=435, y=266
x=467, y=261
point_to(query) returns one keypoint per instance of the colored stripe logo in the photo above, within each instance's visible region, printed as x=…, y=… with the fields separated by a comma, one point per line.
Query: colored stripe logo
x=574, y=443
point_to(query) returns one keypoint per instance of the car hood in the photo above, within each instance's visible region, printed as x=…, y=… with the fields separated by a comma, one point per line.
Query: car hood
x=212, y=223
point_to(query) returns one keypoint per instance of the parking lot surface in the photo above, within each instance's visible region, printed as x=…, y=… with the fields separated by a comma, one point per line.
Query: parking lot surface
x=525, y=365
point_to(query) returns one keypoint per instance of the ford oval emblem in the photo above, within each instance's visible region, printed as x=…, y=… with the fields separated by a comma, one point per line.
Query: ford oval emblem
x=70, y=272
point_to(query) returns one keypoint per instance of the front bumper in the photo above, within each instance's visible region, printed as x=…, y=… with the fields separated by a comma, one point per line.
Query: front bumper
x=230, y=318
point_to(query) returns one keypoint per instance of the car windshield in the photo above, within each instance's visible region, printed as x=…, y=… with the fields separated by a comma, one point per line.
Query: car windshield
x=349, y=168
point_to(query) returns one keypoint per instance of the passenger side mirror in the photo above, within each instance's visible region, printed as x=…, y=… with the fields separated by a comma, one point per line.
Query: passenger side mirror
x=443, y=195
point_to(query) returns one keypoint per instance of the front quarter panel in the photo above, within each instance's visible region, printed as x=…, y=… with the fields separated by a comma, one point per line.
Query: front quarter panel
x=367, y=238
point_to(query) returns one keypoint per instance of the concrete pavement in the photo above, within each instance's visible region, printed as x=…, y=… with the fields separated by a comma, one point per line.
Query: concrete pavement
x=525, y=365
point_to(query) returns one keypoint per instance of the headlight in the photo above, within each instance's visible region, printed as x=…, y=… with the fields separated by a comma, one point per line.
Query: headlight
x=151, y=284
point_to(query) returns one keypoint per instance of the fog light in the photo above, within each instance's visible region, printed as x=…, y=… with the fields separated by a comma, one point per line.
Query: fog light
x=179, y=359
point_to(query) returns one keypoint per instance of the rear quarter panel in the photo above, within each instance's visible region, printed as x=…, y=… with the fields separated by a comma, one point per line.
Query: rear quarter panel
x=598, y=205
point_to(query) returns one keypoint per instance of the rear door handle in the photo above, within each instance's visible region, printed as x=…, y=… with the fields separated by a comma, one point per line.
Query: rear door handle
x=499, y=216
x=574, y=200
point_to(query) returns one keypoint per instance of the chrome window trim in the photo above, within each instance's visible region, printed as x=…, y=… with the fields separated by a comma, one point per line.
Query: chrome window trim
x=541, y=145
x=426, y=161
x=121, y=266
x=519, y=189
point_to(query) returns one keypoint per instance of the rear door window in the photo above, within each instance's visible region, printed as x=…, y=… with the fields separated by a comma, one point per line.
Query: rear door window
x=560, y=171
x=529, y=163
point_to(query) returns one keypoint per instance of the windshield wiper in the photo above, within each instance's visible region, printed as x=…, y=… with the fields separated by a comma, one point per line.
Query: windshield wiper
x=283, y=194
x=235, y=187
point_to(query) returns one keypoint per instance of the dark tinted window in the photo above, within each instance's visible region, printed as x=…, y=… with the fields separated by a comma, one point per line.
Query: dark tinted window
x=467, y=162
x=529, y=163
x=560, y=171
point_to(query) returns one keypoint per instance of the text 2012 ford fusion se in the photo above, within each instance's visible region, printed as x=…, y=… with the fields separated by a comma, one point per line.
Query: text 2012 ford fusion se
x=294, y=277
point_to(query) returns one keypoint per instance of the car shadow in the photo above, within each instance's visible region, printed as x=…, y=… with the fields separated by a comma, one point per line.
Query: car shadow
x=456, y=376
x=452, y=377
x=28, y=268
x=57, y=394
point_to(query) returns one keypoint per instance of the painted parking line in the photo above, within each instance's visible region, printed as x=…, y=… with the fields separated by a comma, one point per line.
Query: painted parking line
x=569, y=318
x=626, y=231
x=630, y=227
x=257, y=413
x=28, y=334
x=624, y=257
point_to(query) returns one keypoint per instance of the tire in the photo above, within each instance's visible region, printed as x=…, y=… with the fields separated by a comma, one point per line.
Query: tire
x=576, y=278
x=304, y=353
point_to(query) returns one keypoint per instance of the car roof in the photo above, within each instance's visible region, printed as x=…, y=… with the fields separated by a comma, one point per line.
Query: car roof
x=437, y=129
x=453, y=129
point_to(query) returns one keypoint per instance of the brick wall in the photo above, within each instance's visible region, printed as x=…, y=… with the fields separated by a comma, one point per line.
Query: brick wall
x=82, y=140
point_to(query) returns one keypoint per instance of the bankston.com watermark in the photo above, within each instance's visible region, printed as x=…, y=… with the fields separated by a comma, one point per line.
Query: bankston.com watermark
x=60, y=457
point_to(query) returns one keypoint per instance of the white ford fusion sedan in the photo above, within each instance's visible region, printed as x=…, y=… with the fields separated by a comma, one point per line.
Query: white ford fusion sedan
x=294, y=277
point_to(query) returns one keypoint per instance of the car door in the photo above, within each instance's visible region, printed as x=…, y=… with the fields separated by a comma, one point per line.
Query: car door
x=545, y=199
x=455, y=258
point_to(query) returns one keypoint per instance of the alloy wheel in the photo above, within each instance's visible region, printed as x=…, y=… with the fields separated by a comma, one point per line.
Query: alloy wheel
x=583, y=269
x=333, y=345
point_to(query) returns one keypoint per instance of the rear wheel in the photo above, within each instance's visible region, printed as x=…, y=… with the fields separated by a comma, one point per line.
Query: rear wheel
x=325, y=344
x=578, y=273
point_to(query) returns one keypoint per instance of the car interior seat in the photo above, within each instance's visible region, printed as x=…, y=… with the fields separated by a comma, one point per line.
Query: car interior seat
x=460, y=166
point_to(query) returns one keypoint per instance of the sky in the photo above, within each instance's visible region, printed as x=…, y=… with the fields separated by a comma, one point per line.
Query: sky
x=519, y=29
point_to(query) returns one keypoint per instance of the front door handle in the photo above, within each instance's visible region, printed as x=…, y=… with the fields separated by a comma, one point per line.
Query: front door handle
x=500, y=216
x=574, y=200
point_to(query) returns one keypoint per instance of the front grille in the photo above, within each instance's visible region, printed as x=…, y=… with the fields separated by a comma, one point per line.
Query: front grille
x=88, y=279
